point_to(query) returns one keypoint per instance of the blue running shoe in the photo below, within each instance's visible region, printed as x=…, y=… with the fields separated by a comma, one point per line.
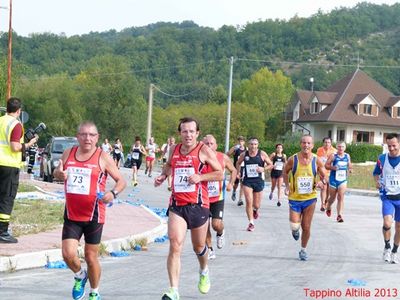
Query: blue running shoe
x=303, y=255
x=78, y=291
x=94, y=296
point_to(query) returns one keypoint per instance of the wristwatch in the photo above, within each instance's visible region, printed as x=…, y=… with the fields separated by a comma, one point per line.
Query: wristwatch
x=115, y=193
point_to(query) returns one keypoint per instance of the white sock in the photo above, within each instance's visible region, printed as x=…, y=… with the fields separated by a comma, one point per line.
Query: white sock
x=96, y=290
x=205, y=271
x=303, y=249
x=80, y=274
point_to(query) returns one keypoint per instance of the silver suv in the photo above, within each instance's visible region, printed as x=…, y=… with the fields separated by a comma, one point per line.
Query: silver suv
x=52, y=153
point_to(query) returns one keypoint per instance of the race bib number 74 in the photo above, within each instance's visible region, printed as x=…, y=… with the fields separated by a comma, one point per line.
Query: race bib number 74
x=181, y=180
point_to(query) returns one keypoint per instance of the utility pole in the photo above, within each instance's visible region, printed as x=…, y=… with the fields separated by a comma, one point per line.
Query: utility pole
x=149, y=113
x=9, y=53
x=228, y=112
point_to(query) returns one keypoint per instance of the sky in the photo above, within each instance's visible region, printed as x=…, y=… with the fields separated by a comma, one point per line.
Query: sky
x=74, y=17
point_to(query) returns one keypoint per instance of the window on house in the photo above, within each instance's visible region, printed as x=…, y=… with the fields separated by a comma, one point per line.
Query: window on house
x=363, y=137
x=367, y=109
x=314, y=107
x=341, y=135
x=398, y=112
x=330, y=133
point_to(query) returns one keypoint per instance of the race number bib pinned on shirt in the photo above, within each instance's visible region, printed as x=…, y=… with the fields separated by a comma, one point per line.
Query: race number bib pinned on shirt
x=341, y=175
x=251, y=171
x=392, y=183
x=304, y=185
x=181, y=180
x=78, y=180
x=213, y=188
x=278, y=165
x=135, y=155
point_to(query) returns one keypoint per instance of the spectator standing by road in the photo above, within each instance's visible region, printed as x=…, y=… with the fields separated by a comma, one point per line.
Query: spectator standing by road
x=11, y=148
x=84, y=170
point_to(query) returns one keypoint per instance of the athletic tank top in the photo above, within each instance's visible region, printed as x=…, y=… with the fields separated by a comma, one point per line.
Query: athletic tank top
x=85, y=179
x=136, y=154
x=250, y=167
x=216, y=189
x=343, y=165
x=182, y=167
x=151, y=148
x=236, y=155
x=391, y=177
x=302, y=180
x=278, y=162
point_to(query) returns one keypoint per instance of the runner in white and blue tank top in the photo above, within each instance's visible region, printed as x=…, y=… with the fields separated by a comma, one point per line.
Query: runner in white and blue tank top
x=340, y=165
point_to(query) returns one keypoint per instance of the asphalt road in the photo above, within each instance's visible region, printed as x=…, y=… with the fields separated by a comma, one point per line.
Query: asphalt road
x=253, y=265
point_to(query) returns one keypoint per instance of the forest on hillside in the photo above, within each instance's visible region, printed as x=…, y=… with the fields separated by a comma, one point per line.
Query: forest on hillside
x=105, y=76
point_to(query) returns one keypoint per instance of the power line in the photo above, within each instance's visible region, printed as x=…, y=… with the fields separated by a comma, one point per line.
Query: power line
x=176, y=96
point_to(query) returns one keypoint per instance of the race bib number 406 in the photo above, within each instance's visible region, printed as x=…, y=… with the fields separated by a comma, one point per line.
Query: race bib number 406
x=78, y=181
x=181, y=180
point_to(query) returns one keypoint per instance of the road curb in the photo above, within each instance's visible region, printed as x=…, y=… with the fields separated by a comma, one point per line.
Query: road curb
x=41, y=258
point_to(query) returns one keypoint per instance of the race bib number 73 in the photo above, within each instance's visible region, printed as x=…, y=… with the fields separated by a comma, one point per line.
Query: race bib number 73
x=78, y=180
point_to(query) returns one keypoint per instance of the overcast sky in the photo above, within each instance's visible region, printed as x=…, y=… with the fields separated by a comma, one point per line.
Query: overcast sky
x=82, y=16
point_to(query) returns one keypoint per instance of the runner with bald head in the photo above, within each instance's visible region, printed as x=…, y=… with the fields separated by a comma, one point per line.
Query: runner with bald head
x=216, y=194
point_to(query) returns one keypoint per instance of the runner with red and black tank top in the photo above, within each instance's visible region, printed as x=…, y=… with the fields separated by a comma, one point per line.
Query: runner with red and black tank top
x=255, y=163
x=278, y=159
x=188, y=206
x=235, y=151
x=216, y=194
x=84, y=170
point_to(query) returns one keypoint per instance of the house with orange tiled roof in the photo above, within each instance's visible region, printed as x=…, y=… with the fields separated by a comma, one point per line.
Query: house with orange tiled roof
x=355, y=109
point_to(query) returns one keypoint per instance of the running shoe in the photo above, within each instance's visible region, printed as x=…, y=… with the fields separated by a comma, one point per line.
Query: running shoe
x=78, y=291
x=221, y=240
x=278, y=203
x=386, y=255
x=251, y=227
x=170, y=295
x=94, y=296
x=328, y=212
x=211, y=254
x=233, y=196
x=169, y=188
x=255, y=214
x=204, y=283
x=296, y=234
x=393, y=258
x=322, y=209
x=240, y=202
x=150, y=175
x=339, y=219
x=145, y=171
x=270, y=196
x=303, y=255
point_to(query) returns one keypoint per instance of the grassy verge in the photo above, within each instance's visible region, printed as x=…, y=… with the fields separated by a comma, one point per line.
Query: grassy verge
x=33, y=216
x=361, y=178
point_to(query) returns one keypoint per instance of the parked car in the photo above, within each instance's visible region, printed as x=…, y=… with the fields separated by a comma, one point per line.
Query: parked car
x=52, y=153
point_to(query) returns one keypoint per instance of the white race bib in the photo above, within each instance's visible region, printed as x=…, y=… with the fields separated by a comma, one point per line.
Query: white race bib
x=78, y=180
x=341, y=175
x=181, y=180
x=304, y=185
x=392, y=183
x=251, y=171
x=213, y=188
x=278, y=165
x=135, y=155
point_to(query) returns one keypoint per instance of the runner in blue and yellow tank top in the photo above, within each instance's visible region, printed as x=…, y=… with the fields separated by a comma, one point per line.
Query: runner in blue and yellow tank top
x=300, y=177
x=340, y=165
